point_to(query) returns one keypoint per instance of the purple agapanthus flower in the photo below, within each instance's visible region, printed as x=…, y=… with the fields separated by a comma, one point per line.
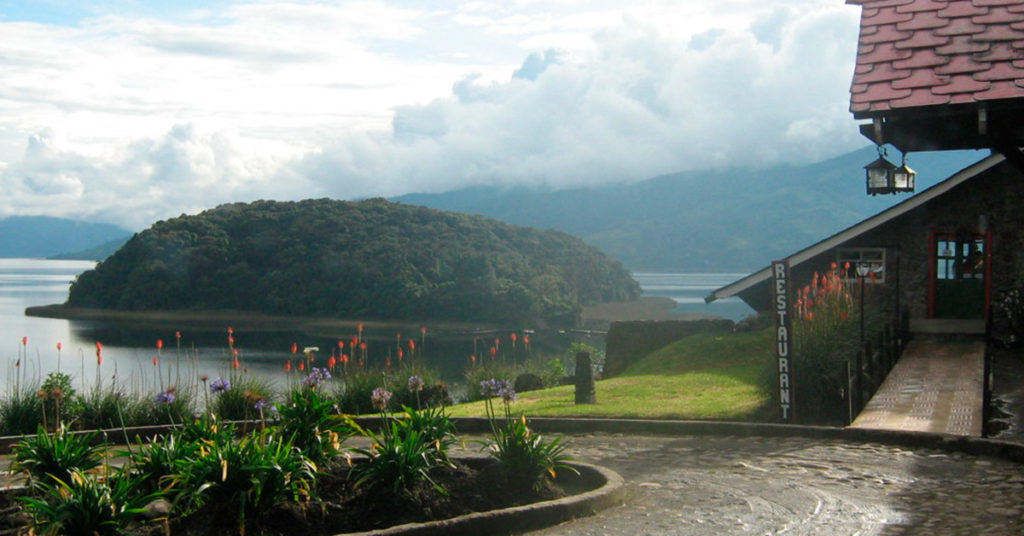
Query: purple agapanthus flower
x=165, y=397
x=415, y=384
x=508, y=394
x=493, y=387
x=316, y=377
x=261, y=405
x=219, y=385
x=380, y=398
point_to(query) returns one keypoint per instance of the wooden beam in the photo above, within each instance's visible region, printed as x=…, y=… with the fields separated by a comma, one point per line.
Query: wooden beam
x=1013, y=155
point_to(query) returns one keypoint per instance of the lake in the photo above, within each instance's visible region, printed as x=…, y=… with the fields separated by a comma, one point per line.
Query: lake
x=128, y=350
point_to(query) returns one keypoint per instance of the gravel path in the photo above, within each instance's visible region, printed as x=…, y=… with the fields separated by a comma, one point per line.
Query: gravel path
x=717, y=485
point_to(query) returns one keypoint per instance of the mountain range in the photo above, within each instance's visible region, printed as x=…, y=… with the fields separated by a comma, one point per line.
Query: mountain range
x=705, y=221
x=44, y=237
x=697, y=221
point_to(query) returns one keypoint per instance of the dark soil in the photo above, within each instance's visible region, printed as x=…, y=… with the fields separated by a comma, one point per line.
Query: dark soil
x=474, y=485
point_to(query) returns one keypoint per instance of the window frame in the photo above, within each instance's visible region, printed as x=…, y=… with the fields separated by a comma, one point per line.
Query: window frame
x=874, y=256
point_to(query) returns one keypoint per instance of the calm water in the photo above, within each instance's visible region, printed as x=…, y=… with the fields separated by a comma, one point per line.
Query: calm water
x=689, y=290
x=128, y=350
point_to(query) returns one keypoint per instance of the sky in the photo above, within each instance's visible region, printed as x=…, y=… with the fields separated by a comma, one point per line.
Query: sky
x=132, y=111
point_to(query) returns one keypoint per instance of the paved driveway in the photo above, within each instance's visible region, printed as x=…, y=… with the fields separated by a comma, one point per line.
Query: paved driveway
x=713, y=485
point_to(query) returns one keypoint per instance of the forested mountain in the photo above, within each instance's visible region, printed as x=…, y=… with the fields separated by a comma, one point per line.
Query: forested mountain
x=705, y=221
x=43, y=236
x=367, y=259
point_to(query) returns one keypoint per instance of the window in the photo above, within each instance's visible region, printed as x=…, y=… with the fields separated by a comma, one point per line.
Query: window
x=959, y=257
x=873, y=257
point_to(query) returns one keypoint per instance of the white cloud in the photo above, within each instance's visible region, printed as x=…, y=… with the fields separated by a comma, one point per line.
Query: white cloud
x=133, y=119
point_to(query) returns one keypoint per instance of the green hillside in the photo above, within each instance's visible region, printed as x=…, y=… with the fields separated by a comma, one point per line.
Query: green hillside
x=43, y=236
x=370, y=259
x=705, y=221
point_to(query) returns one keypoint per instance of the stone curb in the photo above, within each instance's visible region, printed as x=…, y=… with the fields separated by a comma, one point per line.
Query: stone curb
x=968, y=445
x=611, y=491
x=476, y=425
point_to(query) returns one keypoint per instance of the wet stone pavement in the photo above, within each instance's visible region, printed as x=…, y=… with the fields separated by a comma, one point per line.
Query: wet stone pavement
x=704, y=485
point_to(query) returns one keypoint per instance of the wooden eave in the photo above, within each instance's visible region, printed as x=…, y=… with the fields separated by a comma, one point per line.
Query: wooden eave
x=995, y=125
x=840, y=238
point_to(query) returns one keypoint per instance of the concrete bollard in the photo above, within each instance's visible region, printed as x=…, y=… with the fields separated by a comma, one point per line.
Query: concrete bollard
x=584, y=379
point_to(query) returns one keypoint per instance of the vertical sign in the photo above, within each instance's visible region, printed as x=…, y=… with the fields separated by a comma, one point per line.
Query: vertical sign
x=783, y=338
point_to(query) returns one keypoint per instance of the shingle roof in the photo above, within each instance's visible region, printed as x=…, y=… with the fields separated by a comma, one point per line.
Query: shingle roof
x=914, y=53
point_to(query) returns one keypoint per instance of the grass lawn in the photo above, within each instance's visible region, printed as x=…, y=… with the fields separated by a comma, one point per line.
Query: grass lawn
x=705, y=376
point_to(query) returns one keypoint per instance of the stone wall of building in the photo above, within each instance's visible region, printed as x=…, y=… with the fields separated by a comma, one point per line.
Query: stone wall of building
x=991, y=202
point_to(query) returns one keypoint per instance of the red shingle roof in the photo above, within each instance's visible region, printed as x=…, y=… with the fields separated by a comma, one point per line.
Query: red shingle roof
x=915, y=53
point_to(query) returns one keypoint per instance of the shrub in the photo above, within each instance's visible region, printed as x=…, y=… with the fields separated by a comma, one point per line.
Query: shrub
x=476, y=376
x=249, y=475
x=406, y=450
x=310, y=422
x=525, y=457
x=166, y=407
x=419, y=387
x=84, y=504
x=104, y=409
x=826, y=327
x=20, y=411
x=159, y=460
x=353, y=393
x=54, y=456
x=238, y=400
x=58, y=400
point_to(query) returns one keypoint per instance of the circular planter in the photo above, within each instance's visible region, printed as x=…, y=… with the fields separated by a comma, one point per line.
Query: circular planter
x=606, y=489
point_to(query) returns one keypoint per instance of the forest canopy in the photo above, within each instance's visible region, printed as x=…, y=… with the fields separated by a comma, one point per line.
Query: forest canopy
x=370, y=259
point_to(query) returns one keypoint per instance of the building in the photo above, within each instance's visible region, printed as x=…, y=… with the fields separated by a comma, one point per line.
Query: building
x=935, y=75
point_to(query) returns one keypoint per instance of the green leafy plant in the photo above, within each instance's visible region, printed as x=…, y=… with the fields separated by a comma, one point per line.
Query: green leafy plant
x=54, y=456
x=353, y=393
x=86, y=505
x=433, y=423
x=20, y=411
x=248, y=475
x=826, y=337
x=106, y=408
x=159, y=460
x=206, y=429
x=236, y=400
x=57, y=397
x=526, y=457
x=310, y=421
x=406, y=449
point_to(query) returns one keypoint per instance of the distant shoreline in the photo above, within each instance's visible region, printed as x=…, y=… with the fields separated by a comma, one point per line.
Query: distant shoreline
x=593, y=317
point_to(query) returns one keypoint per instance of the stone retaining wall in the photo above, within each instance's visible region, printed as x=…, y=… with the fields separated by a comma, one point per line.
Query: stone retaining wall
x=629, y=341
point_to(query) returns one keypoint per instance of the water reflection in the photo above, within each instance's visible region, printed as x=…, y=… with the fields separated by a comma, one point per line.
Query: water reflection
x=129, y=347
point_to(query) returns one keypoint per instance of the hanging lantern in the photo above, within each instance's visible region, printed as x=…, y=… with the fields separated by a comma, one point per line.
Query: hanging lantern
x=903, y=178
x=883, y=177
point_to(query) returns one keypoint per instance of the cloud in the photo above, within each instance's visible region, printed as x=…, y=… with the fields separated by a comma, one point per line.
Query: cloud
x=645, y=103
x=136, y=119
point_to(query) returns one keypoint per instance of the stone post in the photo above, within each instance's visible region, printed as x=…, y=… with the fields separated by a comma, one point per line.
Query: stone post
x=584, y=379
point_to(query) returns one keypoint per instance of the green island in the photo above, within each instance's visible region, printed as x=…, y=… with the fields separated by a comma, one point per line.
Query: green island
x=370, y=259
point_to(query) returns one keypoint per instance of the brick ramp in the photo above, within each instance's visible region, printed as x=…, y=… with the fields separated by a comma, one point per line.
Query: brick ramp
x=935, y=387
